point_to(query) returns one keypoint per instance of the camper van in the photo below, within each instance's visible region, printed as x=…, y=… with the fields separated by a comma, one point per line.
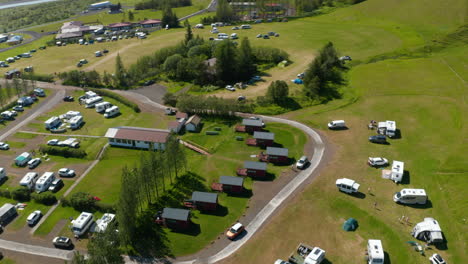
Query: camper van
x=23, y=159
x=82, y=223
x=337, y=124
x=101, y=107
x=39, y=92
x=111, y=112
x=375, y=252
x=347, y=185
x=29, y=180
x=387, y=128
x=429, y=230
x=25, y=101
x=223, y=36
x=410, y=196
x=7, y=211
x=52, y=123
x=91, y=102
x=44, y=181
x=76, y=122
x=2, y=174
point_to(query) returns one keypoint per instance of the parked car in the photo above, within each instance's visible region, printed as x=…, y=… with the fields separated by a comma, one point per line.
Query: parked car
x=280, y=261
x=4, y=146
x=437, y=259
x=18, y=108
x=235, y=230
x=377, y=161
x=347, y=185
x=148, y=83
x=235, y=28
x=34, y=163
x=53, y=142
x=68, y=98
x=56, y=185
x=302, y=162
x=277, y=35
x=378, y=139
x=259, y=36
x=105, y=51
x=34, y=217
x=230, y=88
x=66, y=172
x=241, y=98
x=62, y=242
x=266, y=36
x=343, y=58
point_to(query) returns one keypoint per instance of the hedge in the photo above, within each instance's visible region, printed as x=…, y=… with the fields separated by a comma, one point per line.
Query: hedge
x=62, y=151
x=5, y=193
x=21, y=194
x=44, y=198
x=9, y=106
x=117, y=97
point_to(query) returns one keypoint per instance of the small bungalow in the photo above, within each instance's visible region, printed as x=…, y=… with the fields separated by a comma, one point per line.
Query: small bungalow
x=253, y=169
x=176, y=218
x=181, y=115
x=252, y=125
x=193, y=123
x=137, y=137
x=120, y=26
x=261, y=139
x=274, y=155
x=150, y=23
x=231, y=184
x=205, y=201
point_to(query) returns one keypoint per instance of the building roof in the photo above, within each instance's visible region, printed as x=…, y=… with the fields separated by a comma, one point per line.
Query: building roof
x=255, y=165
x=194, y=120
x=15, y=38
x=176, y=214
x=150, y=21
x=181, y=115
x=5, y=208
x=264, y=135
x=120, y=24
x=138, y=133
x=173, y=124
x=231, y=180
x=252, y=122
x=69, y=35
x=277, y=151
x=205, y=197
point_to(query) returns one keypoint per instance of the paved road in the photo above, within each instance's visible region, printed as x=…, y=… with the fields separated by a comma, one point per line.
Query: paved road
x=59, y=135
x=36, y=250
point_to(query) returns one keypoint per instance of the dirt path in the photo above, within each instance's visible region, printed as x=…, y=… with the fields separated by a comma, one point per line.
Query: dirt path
x=109, y=57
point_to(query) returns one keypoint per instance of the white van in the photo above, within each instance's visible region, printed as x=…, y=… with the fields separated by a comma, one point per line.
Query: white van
x=347, y=185
x=26, y=55
x=337, y=124
x=91, y=102
x=2, y=174
x=44, y=181
x=410, y=196
x=375, y=252
x=52, y=122
x=111, y=112
x=234, y=36
x=82, y=224
x=98, y=53
x=245, y=26
x=223, y=36
x=76, y=122
x=101, y=107
x=29, y=180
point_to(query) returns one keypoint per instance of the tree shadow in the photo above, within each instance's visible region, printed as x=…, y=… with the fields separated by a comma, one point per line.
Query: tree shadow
x=406, y=178
x=150, y=239
x=359, y=195
x=387, y=258
x=246, y=193
x=268, y=177
x=220, y=211
x=427, y=205
x=192, y=230
x=289, y=103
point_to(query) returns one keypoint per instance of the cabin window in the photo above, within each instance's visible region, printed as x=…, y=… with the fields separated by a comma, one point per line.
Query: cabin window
x=111, y=140
x=119, y=141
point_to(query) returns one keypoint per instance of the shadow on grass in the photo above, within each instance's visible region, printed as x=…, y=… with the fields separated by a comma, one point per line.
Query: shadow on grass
x=406, y=178
x=220, y=211
x=150, y=239
x=387, y=258
x=326, y=261
x=268, y=177
x=397, y=134
x=245, y=194
x=359, y=195
x=290, y=104
x=427, y=205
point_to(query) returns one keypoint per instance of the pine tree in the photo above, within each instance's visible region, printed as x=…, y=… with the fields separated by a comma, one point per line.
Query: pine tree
x=120, y=73
x=126, y=208
x=131, y=17
x=104, y=247
x=246, y=61
x=226, y=61
x=278, y=91
x=188, y=34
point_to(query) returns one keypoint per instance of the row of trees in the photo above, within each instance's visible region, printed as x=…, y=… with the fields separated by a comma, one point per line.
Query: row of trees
x=16, y=87
x=159, y=5
x=307, y=6
x=210, y=105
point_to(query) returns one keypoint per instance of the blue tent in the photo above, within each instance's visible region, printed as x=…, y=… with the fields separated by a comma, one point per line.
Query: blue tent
x=298, y=81
x=350, y=225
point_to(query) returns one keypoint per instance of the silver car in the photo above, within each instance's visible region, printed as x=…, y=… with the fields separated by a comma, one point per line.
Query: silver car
x=302, y=162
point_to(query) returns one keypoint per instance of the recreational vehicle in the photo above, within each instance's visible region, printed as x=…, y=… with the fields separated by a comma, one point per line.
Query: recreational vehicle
x=101, y=107
x=396, y=174
x=25, y=101
x=71, y=114
x=82, y=223
x=7, y=211
x=29, y=180
x=44, y=181
x=76, y=122
x=52, y=123
x=2, y=174
x=91, y=102
x=104, y=221
x=23, y=159
x=429, y=230
x=111, y=112
x=375, y=252
x=411, y=196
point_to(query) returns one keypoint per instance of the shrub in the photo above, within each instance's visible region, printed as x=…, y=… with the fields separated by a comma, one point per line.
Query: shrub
x=44, y=198
x=21, y=194
x=65, y=202
x=38, y=77
x=105, y=208
x=5, y=193
x=64, y=152
x=119, y=98
x=170, y=99
x=82, y=201
x=269, y=55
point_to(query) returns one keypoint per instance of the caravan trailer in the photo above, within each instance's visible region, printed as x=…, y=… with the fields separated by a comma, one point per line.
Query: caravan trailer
x=101, y=107
x=111, y=112
x=375, y=252
x=91, y=102
x=71, y=114
x=410, y=196
x=387, y=128
x=429, y=230
x=76, y=122
x=44, y=181
x=398, y=168
x=7, y=211
x=82, y=223
x=23, y=159
x=29, y=180
x=52, y=123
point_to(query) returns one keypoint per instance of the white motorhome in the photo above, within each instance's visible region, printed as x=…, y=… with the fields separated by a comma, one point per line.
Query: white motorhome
x=76, y=122
x=91, y=102
x=2, y=174
x=387, y=128
x=43, y=183
x=316, y=256
x=337, y=124
x=410, y=196
x=29, y=180
x=375, y=252
x=106, y=219
x=111, y=112
x=429, y=230
x=82, y=224
x=347, y=185
x=101, y=107
x=52, y=122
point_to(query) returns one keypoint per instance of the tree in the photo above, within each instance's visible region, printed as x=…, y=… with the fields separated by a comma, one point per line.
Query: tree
x=226, y=61
x=126, y=209
x=169, y=99
x=224, y=11
x=119, y=6
x=131, y=16
x=104, y=247
x=246, y=60
x=78, y=258
x=169, y=18
x=2, y=97
x=17, y=86
x=278, y=91
x=170, y=65
x=175, y=156
x=188, y=34
x=120, y=73
x=82, y=201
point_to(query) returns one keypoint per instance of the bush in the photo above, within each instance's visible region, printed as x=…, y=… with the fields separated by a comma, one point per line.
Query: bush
x=62, y=151
x=21, y=194
x=82, y=201
x=170, y=99
x=5, y=193
x=119, y=98
x=65, y=202
x=269, y=55
x=38, y=77
x=105, y=208
x=44, y=198
x=9, y=106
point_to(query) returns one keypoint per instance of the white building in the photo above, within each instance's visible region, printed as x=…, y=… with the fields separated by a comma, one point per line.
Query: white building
x=137, y=137
x=193, y=123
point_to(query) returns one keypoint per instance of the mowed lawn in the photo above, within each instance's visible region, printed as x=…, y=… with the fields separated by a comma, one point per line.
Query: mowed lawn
x=426, y=97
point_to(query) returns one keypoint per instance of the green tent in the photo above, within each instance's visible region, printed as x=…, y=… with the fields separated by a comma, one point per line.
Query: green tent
x=350, y=225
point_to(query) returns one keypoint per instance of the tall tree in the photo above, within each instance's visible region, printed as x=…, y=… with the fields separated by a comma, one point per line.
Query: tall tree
x=169, y=17
x=120, y=73
x=126, y=208
x=224, y=11
x=246, y=60
x=104, y=247
x=226, y=61
x=8, y=90
x=278, y=91
x=2, y=97
x=17, y=86
x=188, y=33
x=175, y=155
x=131, y=16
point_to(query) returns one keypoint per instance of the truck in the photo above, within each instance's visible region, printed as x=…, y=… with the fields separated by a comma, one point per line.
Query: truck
x=305, y=254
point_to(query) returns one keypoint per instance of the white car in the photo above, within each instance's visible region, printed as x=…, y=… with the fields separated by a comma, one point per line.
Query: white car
x=34, y=163
x=4, y=146
x=437, y=259
x=230, y=88
x=66, y=172
x=34, y=217
x=347, y=185
x=302, y=162
x=377, y=161
x=53, y=142
x=280, y=261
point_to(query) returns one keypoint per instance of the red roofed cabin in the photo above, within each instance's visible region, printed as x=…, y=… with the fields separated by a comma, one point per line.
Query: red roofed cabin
x=120, y=26
x=232, y=184
x=275, y=155
x=250, y=125
x=205, y=201
x=176, y=218
x=150, y=23
x=137, y=137
x=253, y=169
x=261, y=139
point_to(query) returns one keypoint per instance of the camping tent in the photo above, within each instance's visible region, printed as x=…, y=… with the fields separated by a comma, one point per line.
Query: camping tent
x=298, y=81
x=350, y=225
